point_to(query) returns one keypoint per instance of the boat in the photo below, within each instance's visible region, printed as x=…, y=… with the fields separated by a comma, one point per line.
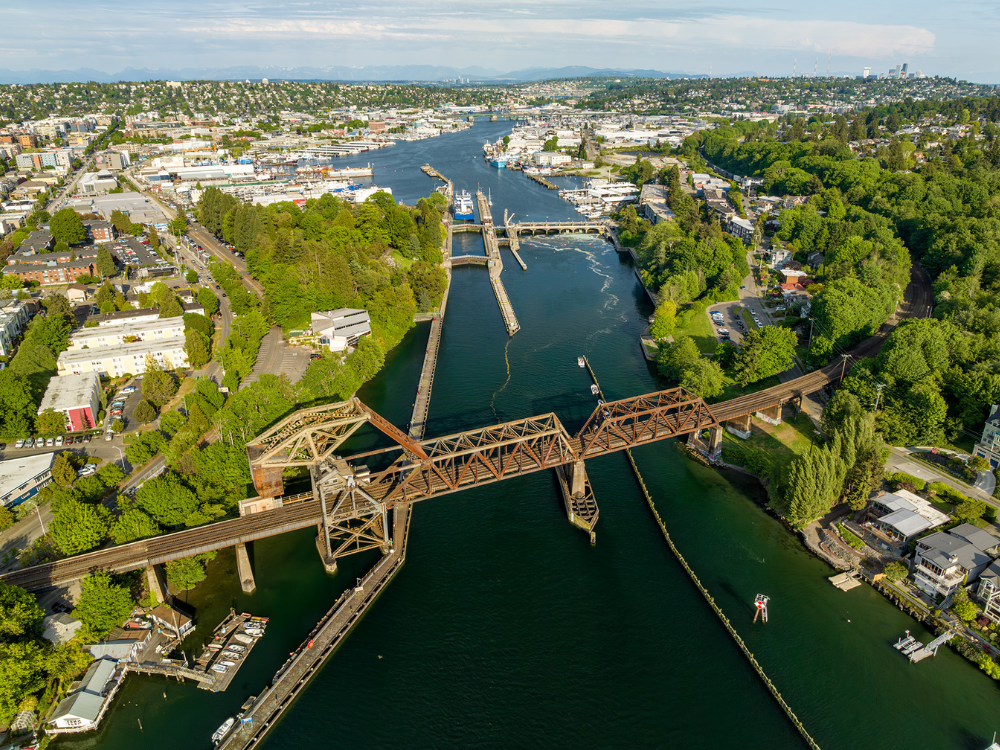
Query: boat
x=499, y=161
x=256, y=632
x=230, y=655
x=219, y=668
x=228, y=663
x=234, y=647
x=581, y=362
x=595, y=390
x=243, y=638
x=463, y=207
x=221, y=731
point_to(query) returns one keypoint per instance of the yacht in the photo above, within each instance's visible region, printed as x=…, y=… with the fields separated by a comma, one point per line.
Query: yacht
x=221, y=731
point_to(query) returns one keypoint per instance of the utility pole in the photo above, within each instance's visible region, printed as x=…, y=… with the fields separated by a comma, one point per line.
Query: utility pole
x=878, y=395
x=843, y=366
x=812, y=324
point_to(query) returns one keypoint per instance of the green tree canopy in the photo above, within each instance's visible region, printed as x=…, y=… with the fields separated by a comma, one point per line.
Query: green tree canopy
x=20, y=615
x=167, y=499
x=103, y=605
x=66, y=226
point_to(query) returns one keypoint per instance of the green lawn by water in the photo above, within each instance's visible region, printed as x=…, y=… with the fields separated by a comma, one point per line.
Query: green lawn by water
x=699, y=329
x=780, y=443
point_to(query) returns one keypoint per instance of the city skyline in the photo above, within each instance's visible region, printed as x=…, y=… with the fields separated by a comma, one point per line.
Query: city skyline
x=497, y=38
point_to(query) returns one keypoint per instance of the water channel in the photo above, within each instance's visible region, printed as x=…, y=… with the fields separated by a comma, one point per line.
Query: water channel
x=505, y=627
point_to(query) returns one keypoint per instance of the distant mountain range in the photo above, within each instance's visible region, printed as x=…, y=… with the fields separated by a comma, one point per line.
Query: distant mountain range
x=417, y=73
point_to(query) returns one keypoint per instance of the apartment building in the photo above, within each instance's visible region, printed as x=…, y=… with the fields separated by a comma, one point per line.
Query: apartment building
x=157, y=329
x=115, y=361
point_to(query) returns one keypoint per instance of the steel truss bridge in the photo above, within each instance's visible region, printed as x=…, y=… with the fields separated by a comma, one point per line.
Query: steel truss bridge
x=350, y=505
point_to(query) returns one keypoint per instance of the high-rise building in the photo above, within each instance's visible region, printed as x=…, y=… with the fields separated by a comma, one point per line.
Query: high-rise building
x=904, y=69
x=898, y=68
x=868, y=72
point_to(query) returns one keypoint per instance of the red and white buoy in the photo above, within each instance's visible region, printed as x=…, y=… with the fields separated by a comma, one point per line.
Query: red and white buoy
x=761, y=604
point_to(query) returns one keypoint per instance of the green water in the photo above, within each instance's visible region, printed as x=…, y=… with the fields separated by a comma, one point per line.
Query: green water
x=506, y=628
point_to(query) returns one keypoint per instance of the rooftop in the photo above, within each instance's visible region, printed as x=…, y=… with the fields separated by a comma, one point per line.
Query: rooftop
x=16, y=471
x=71, y=391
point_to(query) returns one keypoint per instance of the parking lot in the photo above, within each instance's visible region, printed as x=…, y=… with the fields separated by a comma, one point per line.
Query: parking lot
x=131, y=401
x=731, y=321
x=131, y=251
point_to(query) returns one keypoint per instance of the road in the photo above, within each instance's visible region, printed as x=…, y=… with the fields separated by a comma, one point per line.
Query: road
x=901, y=461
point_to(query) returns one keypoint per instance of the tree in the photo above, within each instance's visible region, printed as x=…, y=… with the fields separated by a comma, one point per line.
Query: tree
x=63, y=471
x=178, y=225
x=965, y=610
x=969, y=511
x=134, y=524
x=208, y=300
x=17, y=406
x=103, y=605
x=198, y=349
x=666, y=319
x=144, y=447
x=22, y=667
x=158, y=386
x=145, y=412
x=66, y=225
x=20, y=615
x=105, y=263
x=167, y=499
x=172, y=421
x=78, y=526
x=895, y=571
x=989, y=666
x=191, y=276
x=171, y=308
x=187, y=572
x=57, y=304
x=765, y=352
x=51, y=422
x=117, y=426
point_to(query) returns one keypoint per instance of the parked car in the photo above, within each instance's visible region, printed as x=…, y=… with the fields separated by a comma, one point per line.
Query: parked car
x=128, y=389
x=70, y=440
x=59, y=440
x=50, y=443
x=19, y=443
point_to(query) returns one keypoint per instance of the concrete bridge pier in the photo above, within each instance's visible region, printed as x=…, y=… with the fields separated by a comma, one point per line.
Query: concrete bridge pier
x=771, y=415
x=715, y=442
x=578, y=497
x=323, y=547
x=740, y=426
x=245, y=569
x=157, y=584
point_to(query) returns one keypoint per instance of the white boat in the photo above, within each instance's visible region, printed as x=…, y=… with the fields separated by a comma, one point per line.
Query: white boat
x=243, y=638
x=228, y=663
x=580, y=361
x=230, y=655
x=219, y=668
x=234, y=647
x=221, y=731
x=255, y=632
x=595, y=390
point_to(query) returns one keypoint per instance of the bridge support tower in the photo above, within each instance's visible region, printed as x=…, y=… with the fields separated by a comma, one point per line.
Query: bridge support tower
x=771, y=415
x=740, y=427
x=157, y=584
x=245, y=569
x=578, y=497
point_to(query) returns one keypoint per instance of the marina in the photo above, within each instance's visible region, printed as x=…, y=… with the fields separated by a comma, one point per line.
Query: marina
x=232, y=642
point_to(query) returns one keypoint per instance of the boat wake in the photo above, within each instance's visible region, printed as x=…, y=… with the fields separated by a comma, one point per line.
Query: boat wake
x=499, y=390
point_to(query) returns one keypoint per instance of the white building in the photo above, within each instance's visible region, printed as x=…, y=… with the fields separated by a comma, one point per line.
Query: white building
x=340, y=329
x=14, y=317
x=84, y=708
x=551, y=158
x=21, y=478
x=76, y=397
x=156, y=329
x=93, y=183
x=946, y=560
x=115, y=361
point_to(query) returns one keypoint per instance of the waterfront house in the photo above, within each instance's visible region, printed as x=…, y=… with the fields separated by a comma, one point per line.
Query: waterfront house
x=944, y=561
x=172, y=620
x=60, y=628
x=988, y=446
x=123, y=645
x=896, y=518
x=88, y=699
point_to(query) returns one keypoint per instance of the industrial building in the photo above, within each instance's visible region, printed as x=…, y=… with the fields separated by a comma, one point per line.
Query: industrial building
x=21, y=478
x=76, y=397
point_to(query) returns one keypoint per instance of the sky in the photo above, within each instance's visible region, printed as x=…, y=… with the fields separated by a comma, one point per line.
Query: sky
x=768, y=38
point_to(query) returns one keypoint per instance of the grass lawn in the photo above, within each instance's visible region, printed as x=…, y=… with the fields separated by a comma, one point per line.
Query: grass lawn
x=400, y=261
x=783, y=442
x=748, y=319
x=700, y=329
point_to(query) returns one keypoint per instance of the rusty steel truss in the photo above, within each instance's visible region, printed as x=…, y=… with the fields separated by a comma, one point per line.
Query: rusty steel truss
x=355, y=507
x=622, y=424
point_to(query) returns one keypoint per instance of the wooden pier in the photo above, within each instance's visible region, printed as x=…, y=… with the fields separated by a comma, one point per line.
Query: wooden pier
x=428, y=170
x=224, y=636
x=846, y=581
x=542, y=181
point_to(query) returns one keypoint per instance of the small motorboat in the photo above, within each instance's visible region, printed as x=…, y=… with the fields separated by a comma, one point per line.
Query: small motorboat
x=581, y=362
x=228, y=663
x=234, y=647
x=230, y=655
x=595, y=390
x=243, y=638
x=219, y=668
x=221, y=731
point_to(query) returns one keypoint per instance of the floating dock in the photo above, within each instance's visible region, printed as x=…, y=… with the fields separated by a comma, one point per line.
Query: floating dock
x=846, y=581
x=223, y=639
x=495, y=265
x=542, y=181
